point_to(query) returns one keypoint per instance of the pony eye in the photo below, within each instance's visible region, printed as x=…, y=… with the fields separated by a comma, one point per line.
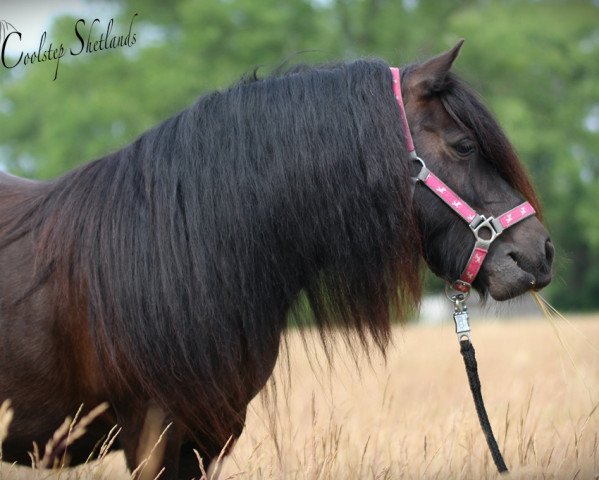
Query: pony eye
x=464, y=149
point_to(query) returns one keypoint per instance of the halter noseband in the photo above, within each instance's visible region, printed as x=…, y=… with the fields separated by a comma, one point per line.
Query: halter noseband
x=484, y=229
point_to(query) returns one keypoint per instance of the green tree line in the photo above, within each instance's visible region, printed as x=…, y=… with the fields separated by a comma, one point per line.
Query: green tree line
x=536, y=63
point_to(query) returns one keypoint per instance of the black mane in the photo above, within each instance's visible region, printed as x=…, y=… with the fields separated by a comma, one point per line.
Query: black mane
x=189, y=246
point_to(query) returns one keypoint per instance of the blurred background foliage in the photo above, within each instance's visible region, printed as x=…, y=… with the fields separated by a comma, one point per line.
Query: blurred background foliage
x=536, y=63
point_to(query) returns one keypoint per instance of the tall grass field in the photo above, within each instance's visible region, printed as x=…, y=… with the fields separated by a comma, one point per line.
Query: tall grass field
x=411, y=416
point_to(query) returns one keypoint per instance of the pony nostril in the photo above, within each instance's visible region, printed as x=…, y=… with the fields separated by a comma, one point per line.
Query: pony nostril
x=549, y=251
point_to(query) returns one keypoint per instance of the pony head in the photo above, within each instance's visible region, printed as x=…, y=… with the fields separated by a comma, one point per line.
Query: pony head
x=458, y=138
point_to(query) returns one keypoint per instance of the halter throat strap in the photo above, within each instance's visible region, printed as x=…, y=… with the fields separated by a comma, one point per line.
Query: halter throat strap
x=485, y=229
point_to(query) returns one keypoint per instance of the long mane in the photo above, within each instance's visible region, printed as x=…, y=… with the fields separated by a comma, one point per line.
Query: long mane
x=188, y=247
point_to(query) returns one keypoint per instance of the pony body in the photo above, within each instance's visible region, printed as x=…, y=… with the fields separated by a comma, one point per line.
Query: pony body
x=160, y=278
x=163, y=274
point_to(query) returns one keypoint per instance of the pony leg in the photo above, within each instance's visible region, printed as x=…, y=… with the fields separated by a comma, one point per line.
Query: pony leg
x=150, y=443
x=189, y=466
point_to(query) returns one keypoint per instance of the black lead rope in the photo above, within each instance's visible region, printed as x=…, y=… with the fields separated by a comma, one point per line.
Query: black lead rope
x=462, y=325
x=467, y=351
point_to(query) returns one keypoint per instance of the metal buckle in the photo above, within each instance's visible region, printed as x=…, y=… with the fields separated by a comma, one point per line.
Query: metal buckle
x=491, y=224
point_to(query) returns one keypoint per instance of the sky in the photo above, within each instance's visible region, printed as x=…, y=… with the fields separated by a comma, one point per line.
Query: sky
x=33, y=17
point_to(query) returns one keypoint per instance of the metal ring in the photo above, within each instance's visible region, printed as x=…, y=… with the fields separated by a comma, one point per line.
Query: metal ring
x=454, y=296
x=424, y=172
x=419, y=160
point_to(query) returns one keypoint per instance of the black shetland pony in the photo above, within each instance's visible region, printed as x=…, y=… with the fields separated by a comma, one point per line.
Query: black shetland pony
x=160, y=277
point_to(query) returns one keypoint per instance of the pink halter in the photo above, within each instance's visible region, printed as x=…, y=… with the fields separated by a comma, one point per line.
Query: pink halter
x=478, y=223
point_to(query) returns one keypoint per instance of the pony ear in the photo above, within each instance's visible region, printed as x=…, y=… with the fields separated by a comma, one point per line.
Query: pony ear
x=429, y=77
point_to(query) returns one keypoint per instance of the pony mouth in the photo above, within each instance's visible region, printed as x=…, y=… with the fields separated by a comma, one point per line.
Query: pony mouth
x=513, y=277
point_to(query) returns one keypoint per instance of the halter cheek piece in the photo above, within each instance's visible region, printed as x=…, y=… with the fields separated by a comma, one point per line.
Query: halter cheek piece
x=484, y=229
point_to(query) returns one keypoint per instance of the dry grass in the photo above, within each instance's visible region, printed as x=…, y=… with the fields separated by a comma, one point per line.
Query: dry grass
x=413, y=417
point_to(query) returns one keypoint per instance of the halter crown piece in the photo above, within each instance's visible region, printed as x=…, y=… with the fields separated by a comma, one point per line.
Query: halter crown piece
x=485, y=229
